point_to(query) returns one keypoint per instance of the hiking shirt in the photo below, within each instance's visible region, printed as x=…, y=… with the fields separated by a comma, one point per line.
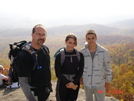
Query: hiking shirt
x=40, y=76
x=70, y=66
x=96, y=68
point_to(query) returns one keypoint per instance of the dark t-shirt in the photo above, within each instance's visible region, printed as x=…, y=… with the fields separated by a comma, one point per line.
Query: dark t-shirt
x=40, y=76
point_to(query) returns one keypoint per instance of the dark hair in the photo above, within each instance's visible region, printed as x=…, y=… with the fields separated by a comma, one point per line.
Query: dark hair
x=71, y=35
x=38, y=25
x=91, y=32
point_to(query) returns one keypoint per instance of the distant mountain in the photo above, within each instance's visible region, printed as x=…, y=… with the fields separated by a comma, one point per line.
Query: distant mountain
x=109, y=40
x=19, y=32
x=125, y=24
x=80, y=30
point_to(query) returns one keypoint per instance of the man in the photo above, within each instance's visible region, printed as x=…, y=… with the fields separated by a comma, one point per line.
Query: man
x=39, y=78
x=97, y=64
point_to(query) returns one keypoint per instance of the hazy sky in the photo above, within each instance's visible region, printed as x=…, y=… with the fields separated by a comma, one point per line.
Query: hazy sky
x=66, y=11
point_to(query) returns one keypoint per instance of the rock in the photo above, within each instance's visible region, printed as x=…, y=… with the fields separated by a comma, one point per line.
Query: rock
x=16, y=94
x=53, y=98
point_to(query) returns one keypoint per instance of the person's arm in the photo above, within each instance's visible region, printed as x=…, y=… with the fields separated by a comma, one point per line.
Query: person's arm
x=8, y=81
x=4, y=77
x=58, y=70
x=80, y=70
x=81, y=79
x=26, y=88
x=107, y=59
x=24, y=70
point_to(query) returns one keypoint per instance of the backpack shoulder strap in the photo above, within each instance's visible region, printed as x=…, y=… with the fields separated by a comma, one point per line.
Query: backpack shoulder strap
x=77, y=54
x=27, y=47
x=45, y=48
x=62, y=51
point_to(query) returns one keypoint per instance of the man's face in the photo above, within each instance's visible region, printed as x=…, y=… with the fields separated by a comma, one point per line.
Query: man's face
x=91, y=39
x=39, y=36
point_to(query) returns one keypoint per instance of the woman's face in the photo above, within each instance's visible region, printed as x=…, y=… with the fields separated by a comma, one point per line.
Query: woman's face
x=70, y=44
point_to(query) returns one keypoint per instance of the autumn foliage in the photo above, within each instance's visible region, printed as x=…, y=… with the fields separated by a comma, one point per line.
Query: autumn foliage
x=122, y=85
x=122, y=62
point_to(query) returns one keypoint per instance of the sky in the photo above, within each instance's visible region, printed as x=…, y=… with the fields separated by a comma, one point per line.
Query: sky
x=65, y=12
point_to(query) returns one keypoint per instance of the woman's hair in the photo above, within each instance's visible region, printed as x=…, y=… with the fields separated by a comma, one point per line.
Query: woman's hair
x=73, y=36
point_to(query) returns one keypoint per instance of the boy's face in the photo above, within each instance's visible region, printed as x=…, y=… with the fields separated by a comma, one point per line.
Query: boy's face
x=91, y=39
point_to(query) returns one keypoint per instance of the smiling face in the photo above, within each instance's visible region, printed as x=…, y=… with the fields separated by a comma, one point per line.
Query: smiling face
x=39, y=36
x=70, y=41
x=70, y=44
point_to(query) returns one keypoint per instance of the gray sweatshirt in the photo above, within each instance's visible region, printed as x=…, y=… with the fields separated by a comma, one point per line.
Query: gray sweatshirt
x=96, y=70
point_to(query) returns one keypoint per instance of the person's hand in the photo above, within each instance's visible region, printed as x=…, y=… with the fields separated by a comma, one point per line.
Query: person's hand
x=70, y=85
x=81, y=81
x=107, y=84
x=8, y=83
x=75, y=87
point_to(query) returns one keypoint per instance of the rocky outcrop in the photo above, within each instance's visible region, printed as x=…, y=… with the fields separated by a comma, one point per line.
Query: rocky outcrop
x=16, y=94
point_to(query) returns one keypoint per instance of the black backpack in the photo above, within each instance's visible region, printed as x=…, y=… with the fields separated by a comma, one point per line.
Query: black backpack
x=13, y=55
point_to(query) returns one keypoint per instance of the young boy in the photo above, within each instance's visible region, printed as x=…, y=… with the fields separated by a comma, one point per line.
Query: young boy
x=97, y=70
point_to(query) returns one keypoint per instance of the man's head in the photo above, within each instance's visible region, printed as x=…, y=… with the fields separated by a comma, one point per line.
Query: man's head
x=91, y=37
x=89, y=32
x=38, y=35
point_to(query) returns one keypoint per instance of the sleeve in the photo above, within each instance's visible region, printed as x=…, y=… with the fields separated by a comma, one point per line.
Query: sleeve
x=80, y=70
x=83, y=61
x=58, y=71
x=26, y=88
x=24, y=64
x=3, y=76
x=107, y=59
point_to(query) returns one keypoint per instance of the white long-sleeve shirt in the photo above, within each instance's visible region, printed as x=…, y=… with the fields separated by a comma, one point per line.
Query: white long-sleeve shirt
x=2, y=77
x=98, y=69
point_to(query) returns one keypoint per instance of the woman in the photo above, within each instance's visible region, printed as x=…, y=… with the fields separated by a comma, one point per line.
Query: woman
x=69, y=65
